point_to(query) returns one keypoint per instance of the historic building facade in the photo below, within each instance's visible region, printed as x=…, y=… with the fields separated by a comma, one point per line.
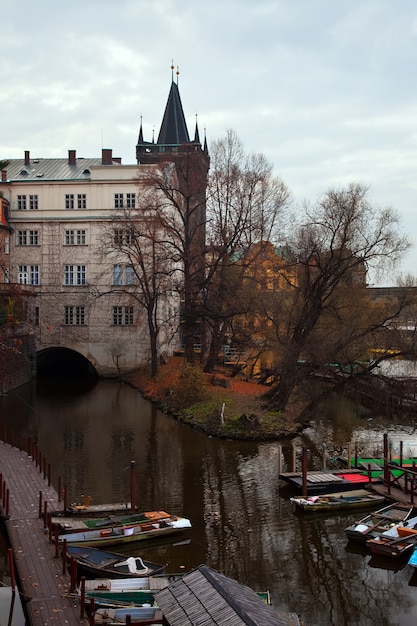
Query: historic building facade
x=79, y=296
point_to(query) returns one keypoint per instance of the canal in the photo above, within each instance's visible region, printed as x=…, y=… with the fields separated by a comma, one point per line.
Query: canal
x=243, y=522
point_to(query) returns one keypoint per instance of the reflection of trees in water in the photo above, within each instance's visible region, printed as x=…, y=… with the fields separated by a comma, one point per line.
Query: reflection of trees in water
x=240, y=503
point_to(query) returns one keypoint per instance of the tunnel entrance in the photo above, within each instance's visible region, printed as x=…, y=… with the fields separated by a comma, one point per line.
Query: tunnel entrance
x=65, y=365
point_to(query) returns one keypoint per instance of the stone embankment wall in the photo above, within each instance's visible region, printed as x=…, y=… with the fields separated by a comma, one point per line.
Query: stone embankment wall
x=17, y=361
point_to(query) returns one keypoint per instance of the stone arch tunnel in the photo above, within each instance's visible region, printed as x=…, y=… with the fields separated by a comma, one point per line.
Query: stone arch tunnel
x=63, y=363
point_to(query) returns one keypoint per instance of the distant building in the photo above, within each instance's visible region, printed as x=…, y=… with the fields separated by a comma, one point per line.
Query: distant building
x=78, y=297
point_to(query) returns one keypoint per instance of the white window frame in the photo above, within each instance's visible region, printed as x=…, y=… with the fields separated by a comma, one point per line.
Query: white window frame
x=75, y=275
x=74, y=315
x=34, y=202
x=123, y=315
x=118, y=200
x=69, y=200
x=131, y=200
x=21, y=202
x=75, y=237
x=28, y=275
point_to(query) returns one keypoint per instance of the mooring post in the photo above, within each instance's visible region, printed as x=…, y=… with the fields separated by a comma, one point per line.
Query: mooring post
x=279, y=460
x=82, y=603
x=45, y=515
x=56, y=531
x=64, y=556
x=356, y=454
x=11, y=567
x=386, y=469
x=294, y=458
x=349, y=455
x=304, y=472
x=401, y=453
x=40, y=505
x=73, y=572
x=133, y=486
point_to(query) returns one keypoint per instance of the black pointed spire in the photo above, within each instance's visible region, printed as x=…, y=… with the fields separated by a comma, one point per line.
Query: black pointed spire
x=196, y=133
x=173, y=128
x=140, y=138
x=205, y=146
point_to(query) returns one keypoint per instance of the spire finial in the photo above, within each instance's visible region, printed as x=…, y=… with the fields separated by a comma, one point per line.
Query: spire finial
x=178, y=72
x=172, y=70
x=153, y=134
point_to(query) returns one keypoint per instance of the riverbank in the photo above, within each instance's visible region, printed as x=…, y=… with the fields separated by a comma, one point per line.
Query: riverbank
x=219, y=404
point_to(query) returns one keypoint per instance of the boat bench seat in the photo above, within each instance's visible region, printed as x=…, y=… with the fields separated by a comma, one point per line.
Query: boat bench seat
x=132, y=565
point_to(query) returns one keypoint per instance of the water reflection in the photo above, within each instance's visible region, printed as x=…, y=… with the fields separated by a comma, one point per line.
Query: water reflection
x=243, y=523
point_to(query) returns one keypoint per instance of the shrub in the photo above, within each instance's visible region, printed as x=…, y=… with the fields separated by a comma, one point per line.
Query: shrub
x=189, y=388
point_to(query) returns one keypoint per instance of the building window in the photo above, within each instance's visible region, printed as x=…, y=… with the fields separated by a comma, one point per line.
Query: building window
x=82, y=201
x=28, y=275
x=123, y=275
x=123, y=315
x=75, y=275
x=121, y=237
x=130, y=275
x=27, y=238
x=117, y=275
x=118, y=200
x=69, y=201
x=74, y=316
x=33, y=238
x=33, y=202
x=75, y=237
x=22, y=239
x=21, y=203
x=130, y=200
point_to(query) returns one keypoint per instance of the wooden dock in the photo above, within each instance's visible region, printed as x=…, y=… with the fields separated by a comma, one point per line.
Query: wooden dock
x=42, y=581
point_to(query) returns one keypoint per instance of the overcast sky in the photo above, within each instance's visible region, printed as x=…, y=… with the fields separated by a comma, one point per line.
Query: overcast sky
x=326, y=89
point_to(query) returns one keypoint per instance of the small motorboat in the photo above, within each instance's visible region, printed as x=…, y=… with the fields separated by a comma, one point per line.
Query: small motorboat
x=96, y=563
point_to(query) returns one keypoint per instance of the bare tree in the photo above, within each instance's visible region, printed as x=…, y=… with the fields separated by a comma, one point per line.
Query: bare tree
x=326, y=316
x=135, y=240
x=245, y=212
x=181, y=219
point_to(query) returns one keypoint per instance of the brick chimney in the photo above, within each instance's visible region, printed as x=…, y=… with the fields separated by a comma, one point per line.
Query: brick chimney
x=3, y=176
x=106, y=156
x=72, y=157
x=27, y=157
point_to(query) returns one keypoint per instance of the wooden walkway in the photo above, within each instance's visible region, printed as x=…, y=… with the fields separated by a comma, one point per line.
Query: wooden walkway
x=44, y=586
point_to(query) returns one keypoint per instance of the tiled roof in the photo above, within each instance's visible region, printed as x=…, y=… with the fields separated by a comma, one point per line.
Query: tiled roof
x=205, y=597
x=51, y=169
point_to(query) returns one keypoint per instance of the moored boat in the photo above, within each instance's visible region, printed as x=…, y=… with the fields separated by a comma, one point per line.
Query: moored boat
x=378, y=522
x=329, y=502
x=396, y=541
x=73, y=523
x=97, y=563
x=137, y=614
x=125, y=591
x=121, y=534
x=389, y=547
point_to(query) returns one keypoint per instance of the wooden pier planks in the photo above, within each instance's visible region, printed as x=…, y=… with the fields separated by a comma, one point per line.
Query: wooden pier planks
x=42, y=581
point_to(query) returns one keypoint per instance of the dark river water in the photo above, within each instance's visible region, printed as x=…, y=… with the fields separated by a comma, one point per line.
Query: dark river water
x=243, y=523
